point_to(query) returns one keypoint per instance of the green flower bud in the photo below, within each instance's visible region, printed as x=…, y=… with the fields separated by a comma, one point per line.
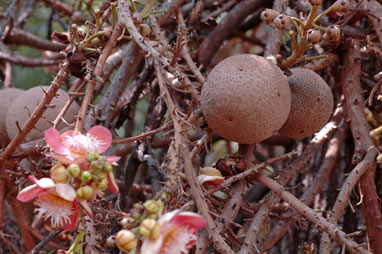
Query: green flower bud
x=93, y=155
x=59, y=174
x=103, y=184
x=126, y=222
x=126, y=240
x=74, y=170
x=108, y=168
x=151, y=206
x=102, y=159
x=150, y=229
x=96, y=166
x=86, y=176
x=85, y=192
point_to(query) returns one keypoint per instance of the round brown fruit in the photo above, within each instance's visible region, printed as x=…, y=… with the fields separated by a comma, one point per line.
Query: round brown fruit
x=246, y=99
x=312, y=104
x=21, y=108
x=7, y=95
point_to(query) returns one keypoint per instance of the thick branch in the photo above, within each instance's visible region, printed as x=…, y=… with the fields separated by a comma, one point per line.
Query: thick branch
x=350, y=84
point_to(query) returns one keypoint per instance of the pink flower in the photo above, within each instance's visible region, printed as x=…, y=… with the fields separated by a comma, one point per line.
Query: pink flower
x=73, y=146
x=57, y=201
x=177, y=233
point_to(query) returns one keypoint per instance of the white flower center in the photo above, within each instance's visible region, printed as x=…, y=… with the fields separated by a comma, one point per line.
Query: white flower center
x=82, y=144
x=54, y=207
x=178, y=240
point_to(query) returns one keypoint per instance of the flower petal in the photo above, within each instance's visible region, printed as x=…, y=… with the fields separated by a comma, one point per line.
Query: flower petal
x=101, y=134
x=53, y=139
x=45, y=183
x=73, y=217
x=87, y=208
x=66, y=191
x=210, y=180
x=152, y=246
x=29, y=193
x=193, y=220
x=112, y=185
x=112, y=159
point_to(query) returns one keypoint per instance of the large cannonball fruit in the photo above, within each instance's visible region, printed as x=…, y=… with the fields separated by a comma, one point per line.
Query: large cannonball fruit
x=24, y=105
x=312, y=104
x=7, y=95
x=246, y=99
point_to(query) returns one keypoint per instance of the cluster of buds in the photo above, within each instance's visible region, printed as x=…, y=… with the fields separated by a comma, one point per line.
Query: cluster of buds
x=80, y=174
x=314, y=35
x=171, y=231
x=279, y=21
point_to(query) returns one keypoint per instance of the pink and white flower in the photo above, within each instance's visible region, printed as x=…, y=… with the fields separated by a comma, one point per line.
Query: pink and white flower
x=177, y=233
x=73, y=146
x=57, y=201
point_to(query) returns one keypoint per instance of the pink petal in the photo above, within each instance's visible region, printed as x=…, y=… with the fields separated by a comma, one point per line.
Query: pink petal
x=102, y=134
x=210, y=180
x=53, y=139
x=193, y=220
x=112, y=159
x=66, y=191
x=64, y=159
x=29, y=193
x=73, y=217
x=112, y=185
x=87, y=208
x=80, y=160
x=152, y=246
x=45, y=183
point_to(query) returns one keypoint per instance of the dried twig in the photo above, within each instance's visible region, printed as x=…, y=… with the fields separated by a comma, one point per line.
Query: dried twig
x=293, y=168
x=313, y=216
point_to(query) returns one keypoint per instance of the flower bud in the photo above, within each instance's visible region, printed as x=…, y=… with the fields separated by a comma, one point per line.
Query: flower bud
x=314, y=35
x=281, y=21
x=103, y=184
x=332, y=34
x=59, y=174
x=151, y=206
x=96, y=166
x=85, y=192
x=210, y=176
x=126, y=222
x=150, y=228
x=268, y=15
x=93, y=155
x=102, y=160
x=74, y=170
x=126, y=240
x=86, y=176
x=340, y=6
x=145, y=30
x=108, y=168
x=110, y=242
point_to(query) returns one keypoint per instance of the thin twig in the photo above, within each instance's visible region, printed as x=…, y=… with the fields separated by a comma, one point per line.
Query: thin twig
x=41, y=244
x=311, y=215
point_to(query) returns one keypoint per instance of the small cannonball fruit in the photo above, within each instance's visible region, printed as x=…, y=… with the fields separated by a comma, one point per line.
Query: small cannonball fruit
x=312, y=104
x=246, y=99
x=21, y=108
x=7, y=95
